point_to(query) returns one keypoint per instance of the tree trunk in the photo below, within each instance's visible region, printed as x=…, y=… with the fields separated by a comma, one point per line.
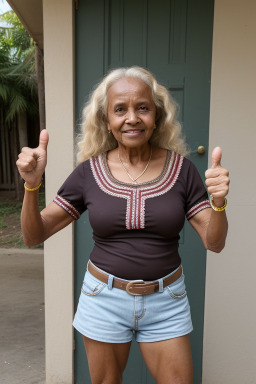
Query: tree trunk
x=40, y=84
x=23, y=130
x=14, y=155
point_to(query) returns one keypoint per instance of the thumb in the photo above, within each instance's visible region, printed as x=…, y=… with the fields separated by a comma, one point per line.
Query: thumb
x=216, y=157
x=43, y=139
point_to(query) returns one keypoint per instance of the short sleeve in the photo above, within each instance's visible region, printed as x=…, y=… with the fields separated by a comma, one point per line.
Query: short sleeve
x=70, y=196
x=196, y=196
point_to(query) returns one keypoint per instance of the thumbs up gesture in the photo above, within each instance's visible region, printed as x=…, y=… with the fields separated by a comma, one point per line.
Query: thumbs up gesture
x=32, y=161
x=217, y=179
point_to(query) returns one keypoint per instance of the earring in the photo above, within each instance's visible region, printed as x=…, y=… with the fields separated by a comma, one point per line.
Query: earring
x=109, y=131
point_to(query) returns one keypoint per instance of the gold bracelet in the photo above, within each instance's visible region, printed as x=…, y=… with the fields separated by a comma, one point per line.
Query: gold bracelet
x=32, y=189
x=218, y=209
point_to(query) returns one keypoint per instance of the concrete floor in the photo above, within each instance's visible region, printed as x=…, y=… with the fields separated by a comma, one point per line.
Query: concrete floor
x=22, y=359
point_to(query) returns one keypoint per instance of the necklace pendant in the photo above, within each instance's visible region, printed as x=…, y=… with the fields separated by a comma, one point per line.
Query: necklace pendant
x=126, y=171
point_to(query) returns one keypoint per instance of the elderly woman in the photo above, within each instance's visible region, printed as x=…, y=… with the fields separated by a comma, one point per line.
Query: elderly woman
x=138, y=188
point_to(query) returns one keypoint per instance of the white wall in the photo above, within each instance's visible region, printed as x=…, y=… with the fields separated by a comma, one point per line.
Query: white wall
x=59, y=83
x=230, y=311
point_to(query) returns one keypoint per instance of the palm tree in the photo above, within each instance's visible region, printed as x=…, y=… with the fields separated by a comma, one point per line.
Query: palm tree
x=18, y=87
x=18, y=94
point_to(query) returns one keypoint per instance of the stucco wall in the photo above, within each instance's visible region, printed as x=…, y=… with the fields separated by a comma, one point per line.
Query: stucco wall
x=230, y=311
x=59, y=87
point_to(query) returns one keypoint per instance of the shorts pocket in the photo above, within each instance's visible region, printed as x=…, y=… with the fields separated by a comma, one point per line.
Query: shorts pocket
x=177, y=290
x=92, y=287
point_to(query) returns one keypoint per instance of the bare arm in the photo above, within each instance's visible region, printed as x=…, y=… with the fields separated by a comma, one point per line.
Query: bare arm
x=212, y=226
x=38, y=226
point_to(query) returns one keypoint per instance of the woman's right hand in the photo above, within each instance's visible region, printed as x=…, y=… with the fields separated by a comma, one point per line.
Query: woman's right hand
x=32, y=161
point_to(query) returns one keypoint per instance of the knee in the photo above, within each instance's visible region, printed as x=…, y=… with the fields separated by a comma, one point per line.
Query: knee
x=177, y=380
x=116, y=379
x=180, y=379
x=106, y=382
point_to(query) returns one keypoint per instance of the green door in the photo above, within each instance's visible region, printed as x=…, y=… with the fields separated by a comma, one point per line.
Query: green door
x=173, y=39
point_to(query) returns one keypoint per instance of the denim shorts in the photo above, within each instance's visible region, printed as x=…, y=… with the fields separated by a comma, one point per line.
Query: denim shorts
x=113, y=315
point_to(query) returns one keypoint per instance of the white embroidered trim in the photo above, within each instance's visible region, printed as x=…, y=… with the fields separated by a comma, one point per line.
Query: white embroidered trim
x=197, y=208
x=63, y=203
x=137, y=195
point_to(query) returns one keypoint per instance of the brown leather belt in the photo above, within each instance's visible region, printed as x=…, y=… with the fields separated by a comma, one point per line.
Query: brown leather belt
x=134, y=287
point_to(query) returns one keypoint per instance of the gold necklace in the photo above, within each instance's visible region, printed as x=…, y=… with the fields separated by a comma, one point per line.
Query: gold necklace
x=142, y=173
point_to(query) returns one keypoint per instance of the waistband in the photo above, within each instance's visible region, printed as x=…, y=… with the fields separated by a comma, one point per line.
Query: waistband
x=134, y=287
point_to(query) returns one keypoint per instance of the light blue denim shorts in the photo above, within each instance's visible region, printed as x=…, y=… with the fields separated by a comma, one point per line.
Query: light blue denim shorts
x=113, y=315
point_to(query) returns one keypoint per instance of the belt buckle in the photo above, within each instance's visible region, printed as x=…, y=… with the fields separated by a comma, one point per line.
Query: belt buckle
x=130, y=284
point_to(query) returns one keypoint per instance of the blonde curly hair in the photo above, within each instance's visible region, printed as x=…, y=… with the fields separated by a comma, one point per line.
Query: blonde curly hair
x=95, y=139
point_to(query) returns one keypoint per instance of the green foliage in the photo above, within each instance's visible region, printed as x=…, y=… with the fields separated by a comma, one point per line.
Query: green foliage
x=14, y=39
x=12, y=19
x=10, y=209
x=18, y=84
x=5, y=40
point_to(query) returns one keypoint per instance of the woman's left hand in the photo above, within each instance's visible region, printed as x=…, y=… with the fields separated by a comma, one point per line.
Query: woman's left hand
x=217, y=179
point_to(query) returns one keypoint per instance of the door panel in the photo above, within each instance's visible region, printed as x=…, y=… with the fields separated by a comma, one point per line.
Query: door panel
x=173, y=39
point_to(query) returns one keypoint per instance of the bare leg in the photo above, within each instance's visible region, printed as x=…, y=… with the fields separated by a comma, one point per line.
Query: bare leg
x=169, y=361
x=106, y=361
